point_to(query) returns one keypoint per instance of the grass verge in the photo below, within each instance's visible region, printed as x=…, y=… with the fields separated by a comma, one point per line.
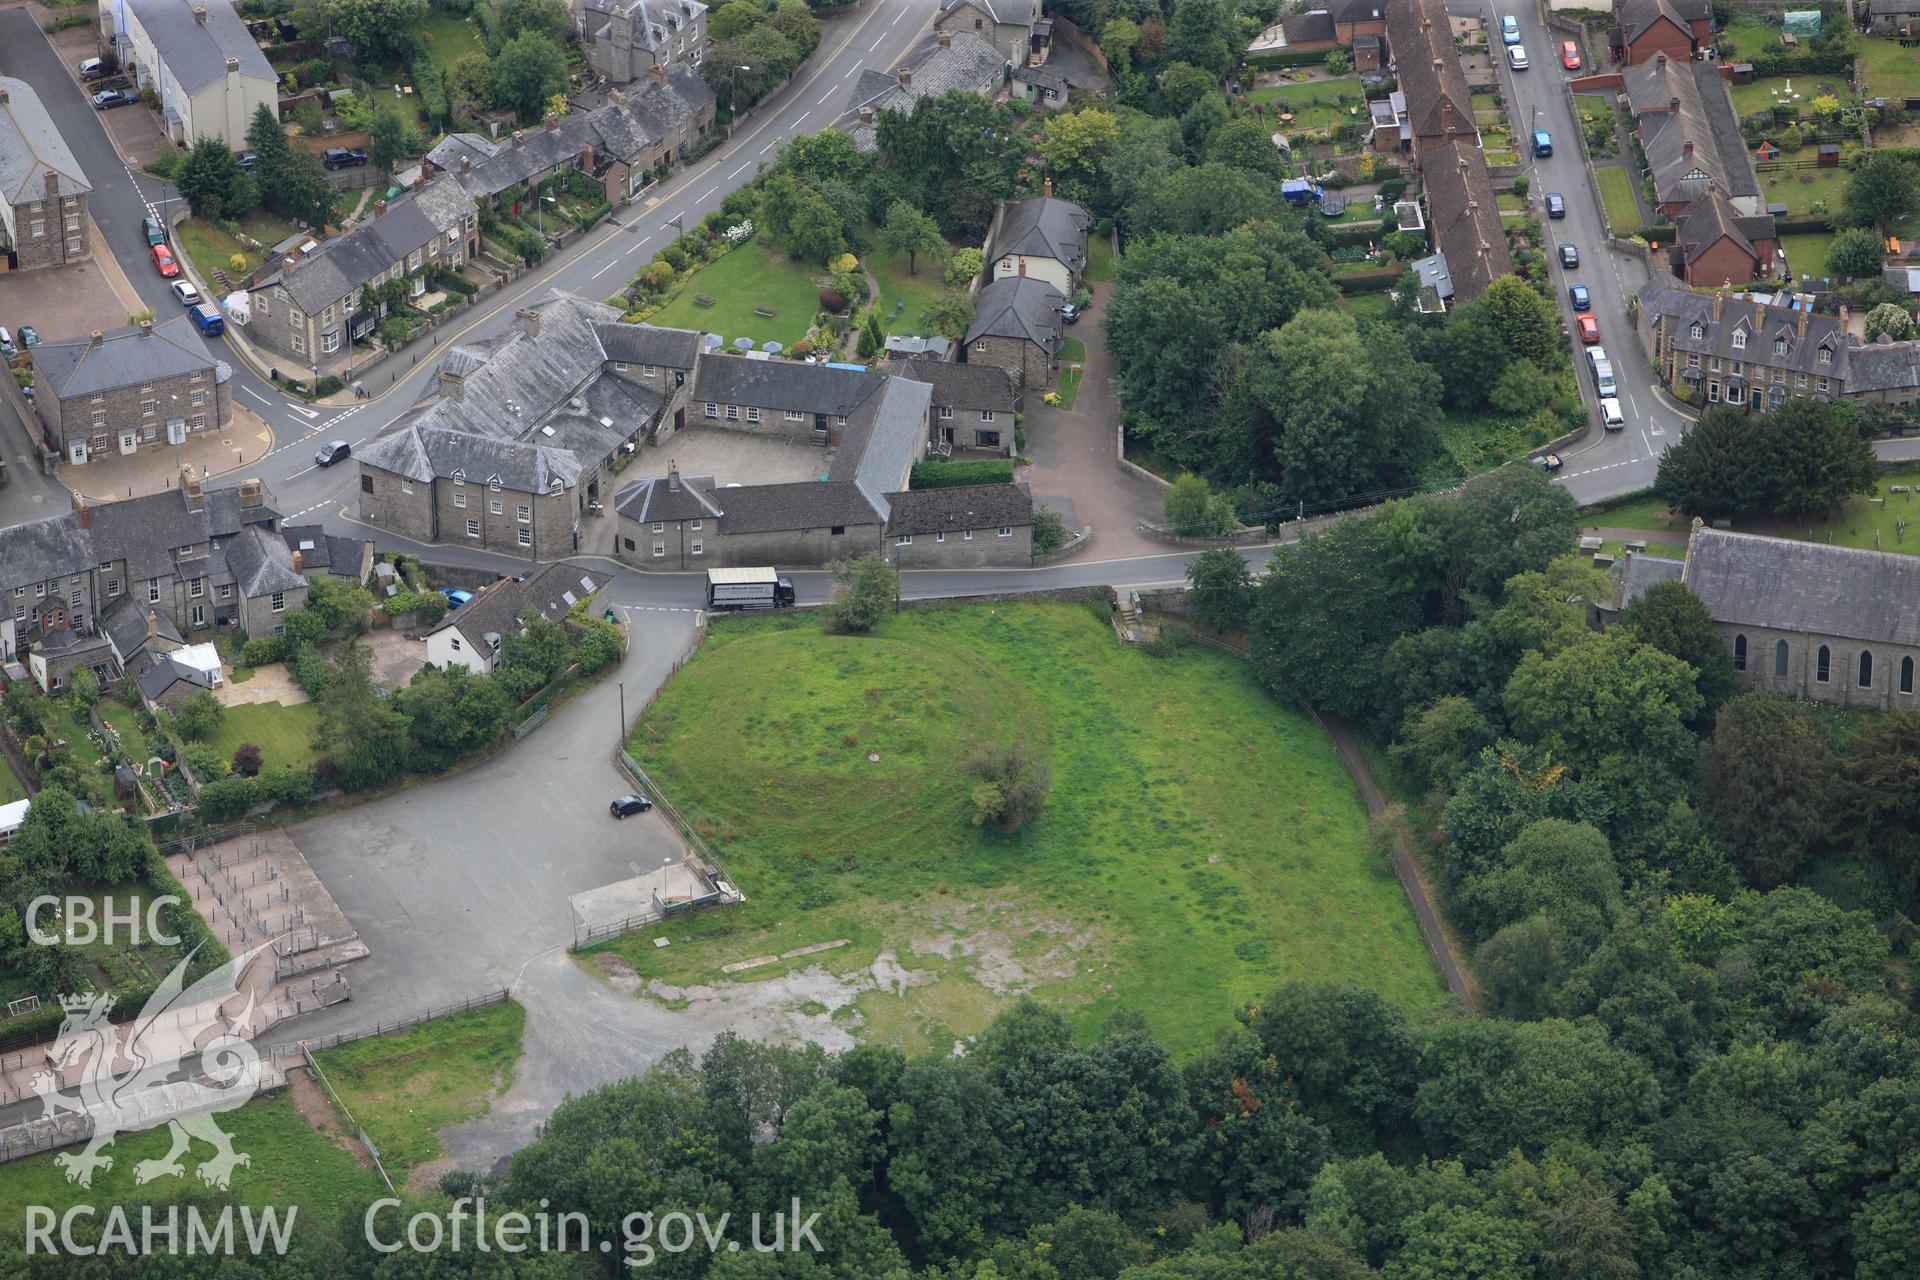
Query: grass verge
x=1072, y=352
x=1616, y=189
x=1199, y=843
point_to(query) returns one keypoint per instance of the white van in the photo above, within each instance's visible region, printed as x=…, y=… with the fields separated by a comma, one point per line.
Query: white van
x=1610, y=416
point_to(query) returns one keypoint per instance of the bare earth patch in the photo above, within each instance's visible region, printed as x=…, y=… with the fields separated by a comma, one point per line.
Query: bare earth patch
x=311, y=1101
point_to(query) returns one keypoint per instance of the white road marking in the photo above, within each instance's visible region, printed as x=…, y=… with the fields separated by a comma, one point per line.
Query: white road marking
x=308, y=414
x=257, y=396
x=850, y=71
x=875, y=44
x=602, y=271
x=770, y=146
x=824, y=98
x=737, y=172
x=704, y=194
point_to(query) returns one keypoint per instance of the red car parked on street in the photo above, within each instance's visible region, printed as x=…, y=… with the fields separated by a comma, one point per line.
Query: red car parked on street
x=163, y=261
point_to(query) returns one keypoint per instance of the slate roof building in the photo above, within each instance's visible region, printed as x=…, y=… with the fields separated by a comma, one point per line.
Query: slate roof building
x=140, y=386
x=1715, y=244
x=319, y=553
x=966, y=526
x=472, y=635
x=1439, y=105
x=306, y=307
x=627, y=40
x=947, y=62
x=43, y=191
x=973, y=404
x=1016, y=327
x=1690, y=134
x=1809, y=619
x=1464, y=217
x=1646, y=29
x=1014, y=27
x=198, y=56
x=1895, y=18
x=1044, y=238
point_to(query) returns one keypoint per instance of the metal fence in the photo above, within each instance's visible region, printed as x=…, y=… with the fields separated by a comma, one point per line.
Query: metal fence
x=200, y=840
x=392, y=1028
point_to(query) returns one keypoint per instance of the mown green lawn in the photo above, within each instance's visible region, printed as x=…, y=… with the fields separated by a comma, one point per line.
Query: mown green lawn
x=1762, y=94
x=283, y=734
x=448, y=37
x=1100, y=265
x=1888, y=70
x=125, y=721
x=1807, y=251
x=899, y=286
x=1616, y=190
x=1801, y=189
x=211, y=248
x=292, y=1164
x=11, y=788
x=1316, y=104
x=404, y=1089
x=757, y=274
x=1861, y=523
x=1199, y=843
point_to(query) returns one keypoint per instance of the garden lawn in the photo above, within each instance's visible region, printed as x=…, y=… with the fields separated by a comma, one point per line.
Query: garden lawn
x=1100, y=268
x=1072, y=352
x=757, y=274
x=1616, y=190
x=1760, y=95
x=1799, y=189
x=1857, y=524
x=1367, y=305
x=1746, y=36
x=126, y=722
x=293, y=1163
x=1807, y=251
x=283, y=734
x=1887, y=70
x=403, y=1089
x=1200, y=843
x=11, y=788
x=1316, y=104
x=211, y=248
x=913, y=293
x=448, y=38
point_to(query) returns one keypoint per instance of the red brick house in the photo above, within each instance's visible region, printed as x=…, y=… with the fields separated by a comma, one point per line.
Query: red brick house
x=1715, y=244
x=1677, y=28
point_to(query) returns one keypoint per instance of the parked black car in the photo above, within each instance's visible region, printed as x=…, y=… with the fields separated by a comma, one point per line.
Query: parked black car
x=108, y=98
x=627, y=806
x=342, y=157
x=1569, y=256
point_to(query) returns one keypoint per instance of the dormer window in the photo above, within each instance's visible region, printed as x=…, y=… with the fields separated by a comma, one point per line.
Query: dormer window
x=1698, y=331
x=1739, y=339
x=1779, y=346
x=1826, y=355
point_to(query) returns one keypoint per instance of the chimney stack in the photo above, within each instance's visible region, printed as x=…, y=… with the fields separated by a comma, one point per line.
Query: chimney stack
x=252, y=493
x=516, y=137
x=1046, y=186
x=233, y=66
x=660, y=73
x=1845, y=312
x=527, y=320
x=1673, y=105
x=420, y=181
x=4, y=97
x=1660, y=61
x=866, y=115
x=906, y=76
x=200, y=14
x=673, y=475
x=1446, y=115
x=379, y=208
x=153, y=625
x=1718, y=299
x=1803, y=324
x=1686, y=148
x=93, y=339
x=553, y=122
x=190, y=485
x=79, y=507
x=946, y=39
x=452, y=385
x=466, y=164
x=298, y=562
x=146, y=328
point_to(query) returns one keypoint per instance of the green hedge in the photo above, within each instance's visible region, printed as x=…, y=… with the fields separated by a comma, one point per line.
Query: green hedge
x=952, y=475
x=1806, y=63
x=1287, y=58
x=1375, y=281
x=431, y=85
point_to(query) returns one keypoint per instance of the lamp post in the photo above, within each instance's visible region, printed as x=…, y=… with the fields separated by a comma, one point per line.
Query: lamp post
x=733, y=108
x=541, y=207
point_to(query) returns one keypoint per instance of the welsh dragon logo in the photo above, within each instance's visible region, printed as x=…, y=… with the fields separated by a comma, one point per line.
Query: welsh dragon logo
x=180, y=1062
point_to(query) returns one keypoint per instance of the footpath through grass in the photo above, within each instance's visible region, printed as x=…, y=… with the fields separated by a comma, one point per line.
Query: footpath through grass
x=403, y=1089
x=1200, y=843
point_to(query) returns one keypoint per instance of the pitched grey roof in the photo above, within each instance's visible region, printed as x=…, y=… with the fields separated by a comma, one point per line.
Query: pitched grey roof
x=1636, y=16
x=226, y=517
x=1712, y=218
x=1421, y=37
x=1044, y=227
x=31, y=147
x=783, y=384
x=1018, y=307
x=498, y=607
x=1631, y=576
x=196, y=52
x=1704, y=121
x=518, y=379
x=144, y=531
x=421, y=453
x=1809, y=587
x=1315, y=27
x=328, y=553
x=1760, y=326
x=649, y=344
x=971, y=64
x=125, y=624
x=261, y=563
x=1877, y=8
x=908, y=345
x=976, y=506
x=1357, y=11
x=343, y=264
x=1042, y=76
x=1465, y=216
x=155, y=673
x=668, y=498
x=960, y=386
x=1888, y=366
x=1006, y=12
x=653, y=20
x=882, y=442
x=803, y=504
x=49, y=547
x=123, y=357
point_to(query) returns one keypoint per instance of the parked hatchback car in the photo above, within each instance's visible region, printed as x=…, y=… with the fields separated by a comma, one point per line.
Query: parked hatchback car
x=1577, y=294
x=29, y=337
x=455, y=596
x=93, y=69
x=185, y=293
x=627, y=806
x=1069, y=313
x=1542, y=143
x=155, y=233
x=109, y=98
x=7, y=348
x=342, y=157
x=1569, y=256
x=1556, y=205
x=1510, y=30
x=1589, y=328
x=1569, y=55
x=163, y=261
x=331, y=452
x=1610, y=416
x=1516, y=57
